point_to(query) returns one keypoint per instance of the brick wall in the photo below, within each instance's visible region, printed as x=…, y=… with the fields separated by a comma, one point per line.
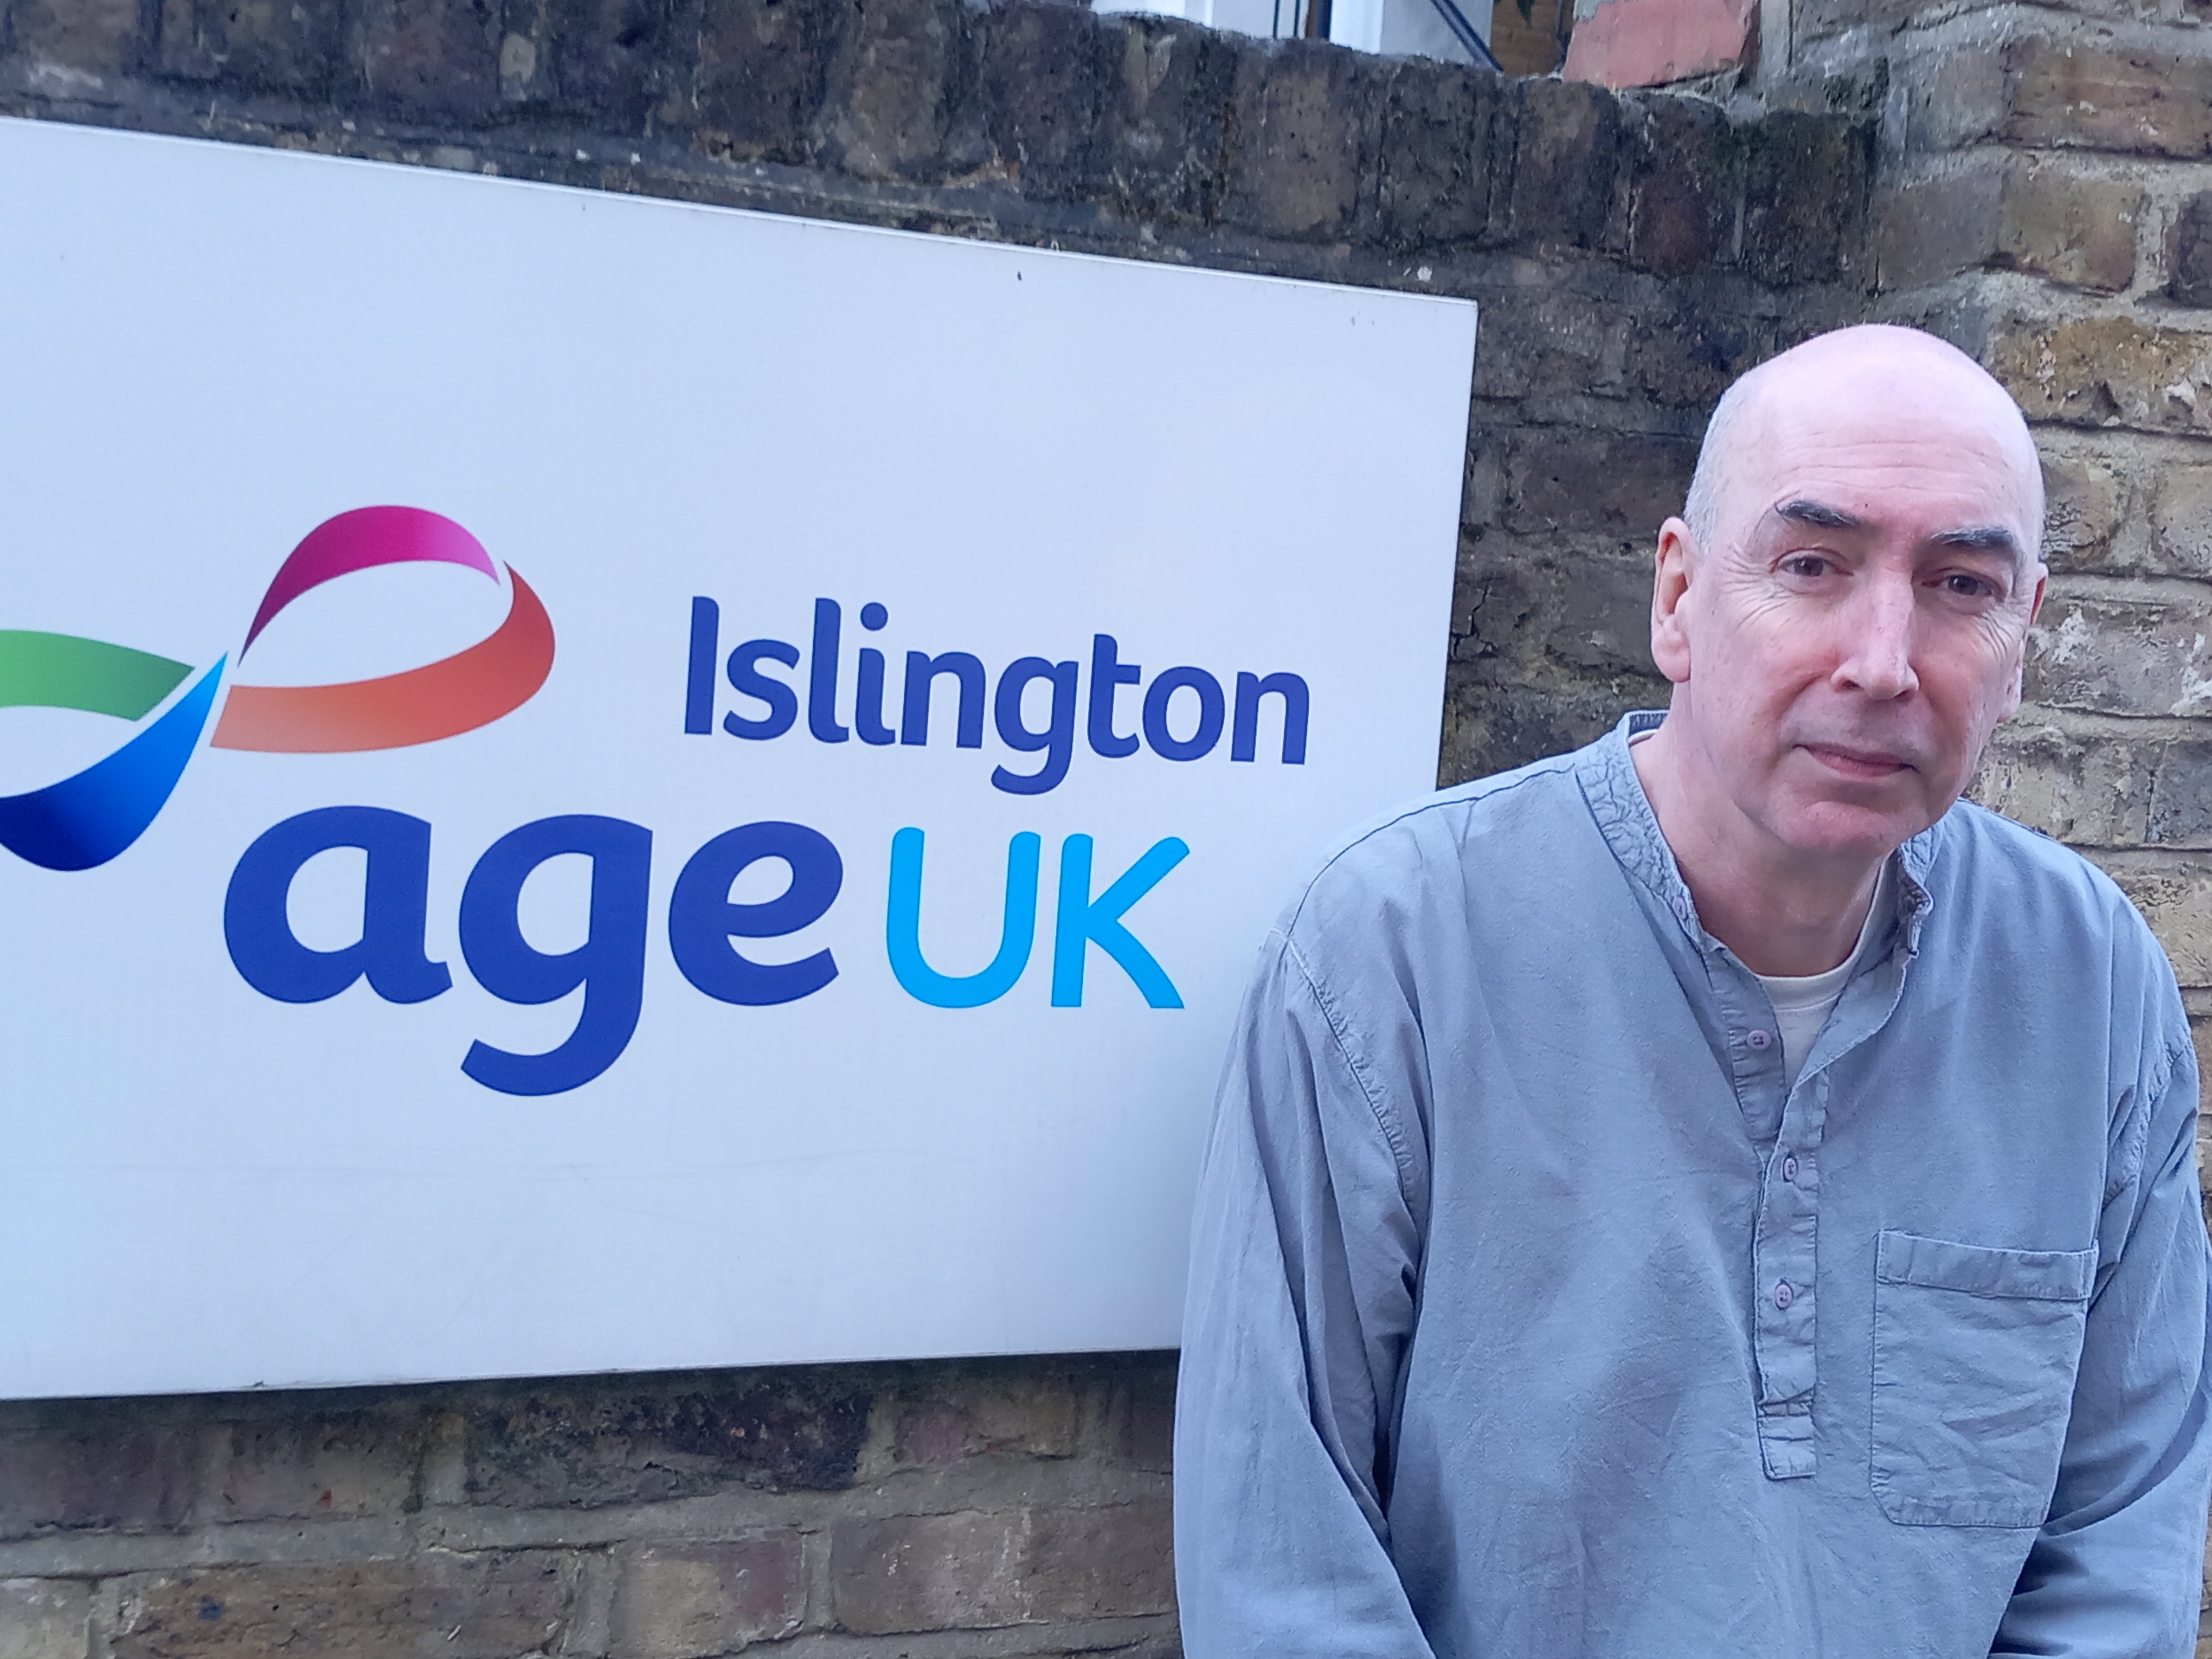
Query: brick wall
x=1631, y=254
x=2045, y=201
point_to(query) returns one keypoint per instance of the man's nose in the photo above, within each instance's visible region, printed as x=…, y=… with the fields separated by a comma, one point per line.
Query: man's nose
x=1877, y=646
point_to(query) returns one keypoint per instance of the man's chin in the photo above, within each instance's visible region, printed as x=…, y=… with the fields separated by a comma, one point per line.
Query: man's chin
x=1855, y=827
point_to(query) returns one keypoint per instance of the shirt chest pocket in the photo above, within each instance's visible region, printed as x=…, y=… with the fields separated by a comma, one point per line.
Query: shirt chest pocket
x=1974, y=1354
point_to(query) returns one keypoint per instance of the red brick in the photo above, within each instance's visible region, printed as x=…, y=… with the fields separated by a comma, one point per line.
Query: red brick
x=1652, y=42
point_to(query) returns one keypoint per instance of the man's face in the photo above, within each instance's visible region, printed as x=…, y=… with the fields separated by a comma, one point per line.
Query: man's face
x=1857, y=632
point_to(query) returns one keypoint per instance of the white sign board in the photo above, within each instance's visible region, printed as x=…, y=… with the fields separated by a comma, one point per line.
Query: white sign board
x=592, y=784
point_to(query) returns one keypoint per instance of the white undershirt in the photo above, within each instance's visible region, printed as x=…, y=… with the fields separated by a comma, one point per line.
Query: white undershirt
x=1802, y=1006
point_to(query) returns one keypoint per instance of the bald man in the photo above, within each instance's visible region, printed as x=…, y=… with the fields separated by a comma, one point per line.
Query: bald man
x=1716, y=1192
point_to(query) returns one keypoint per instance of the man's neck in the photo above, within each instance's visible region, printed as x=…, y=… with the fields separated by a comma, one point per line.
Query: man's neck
x=1782, y=911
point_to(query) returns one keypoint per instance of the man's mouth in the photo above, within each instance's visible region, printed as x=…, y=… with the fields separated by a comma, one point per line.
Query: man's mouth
x=1860, y=765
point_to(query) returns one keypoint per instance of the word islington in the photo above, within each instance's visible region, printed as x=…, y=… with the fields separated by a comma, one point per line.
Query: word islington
x=1185, y=698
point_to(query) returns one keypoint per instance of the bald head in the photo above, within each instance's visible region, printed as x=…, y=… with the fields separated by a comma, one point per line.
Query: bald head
x=1924, y=393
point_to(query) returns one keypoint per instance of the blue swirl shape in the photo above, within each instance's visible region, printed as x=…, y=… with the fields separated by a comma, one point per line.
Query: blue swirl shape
x=86, y=820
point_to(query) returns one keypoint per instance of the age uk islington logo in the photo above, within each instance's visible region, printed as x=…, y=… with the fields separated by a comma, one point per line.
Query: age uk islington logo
x=86, y=819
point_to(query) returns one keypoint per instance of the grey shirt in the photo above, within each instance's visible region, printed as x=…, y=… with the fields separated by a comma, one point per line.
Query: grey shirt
x=1532, y=1314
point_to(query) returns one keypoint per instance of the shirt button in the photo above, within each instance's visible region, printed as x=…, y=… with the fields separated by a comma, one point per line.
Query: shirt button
x=1789, y=1169
x=1759, y=1039
x=1784, y=1296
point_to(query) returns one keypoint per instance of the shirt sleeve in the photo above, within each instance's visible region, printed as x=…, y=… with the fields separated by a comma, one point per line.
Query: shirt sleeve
x=1305, y=1264
x=2115, y=1572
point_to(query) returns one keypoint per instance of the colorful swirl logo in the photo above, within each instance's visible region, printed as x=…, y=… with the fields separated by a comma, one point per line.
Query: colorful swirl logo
x=88, y=818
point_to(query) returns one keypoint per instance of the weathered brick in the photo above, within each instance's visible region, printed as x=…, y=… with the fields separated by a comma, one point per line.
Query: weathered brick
x=2181, y=795
x=2073, y=227
x=93, y=37
x=359, y=1464
x=1807, y=183
x=1525, y=614
x=1044, y=71
x=1682, y=349
x=44, y=1619
x=900, y=68
x=1435, y=168
x=763, y=71
x=528, y=60
x=431, y=59
x=2071, y=93
x=791, y=1429
x=1567, y=159
x=607, y=56
x=1302, y=138
x=920, y=1572
x=1112, y=1562
x=1931, y=228
x=2084, y=501
x=1166, y=117
x=1489, y=729
x=2092, y=793
x=2181, y=520
x=2121, y=654
x=2039, y=217
x=1547, y=340
x=976, y=1571
x=253, y=45
x=1140, y=1416
x=1953, y=95
x=1686, y=186
x=2106, y=371
x=107, y=1475
x=490, y=1605
x=1028, y=1413
x=2189, y=252
x=691, y=1600
x=2174, y=892
x=1605, y=484
x=1603, y=622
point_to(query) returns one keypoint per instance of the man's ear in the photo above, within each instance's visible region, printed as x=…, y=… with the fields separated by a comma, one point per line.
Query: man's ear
x=2011, y=693
x=1670, y=589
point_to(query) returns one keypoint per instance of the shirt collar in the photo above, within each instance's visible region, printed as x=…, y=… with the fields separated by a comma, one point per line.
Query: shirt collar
x=1625, y=818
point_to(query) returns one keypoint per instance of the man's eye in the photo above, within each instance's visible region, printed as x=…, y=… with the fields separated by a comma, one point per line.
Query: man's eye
x=1805, y=564
x=1968, y=587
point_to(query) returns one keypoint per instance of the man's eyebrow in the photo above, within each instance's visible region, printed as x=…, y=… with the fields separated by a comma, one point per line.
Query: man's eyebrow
x=1819, y=515
x=1980, y=538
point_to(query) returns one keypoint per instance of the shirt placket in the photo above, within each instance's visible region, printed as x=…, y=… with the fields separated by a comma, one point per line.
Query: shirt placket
x=1785, y=1124
x=1783, y=1278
